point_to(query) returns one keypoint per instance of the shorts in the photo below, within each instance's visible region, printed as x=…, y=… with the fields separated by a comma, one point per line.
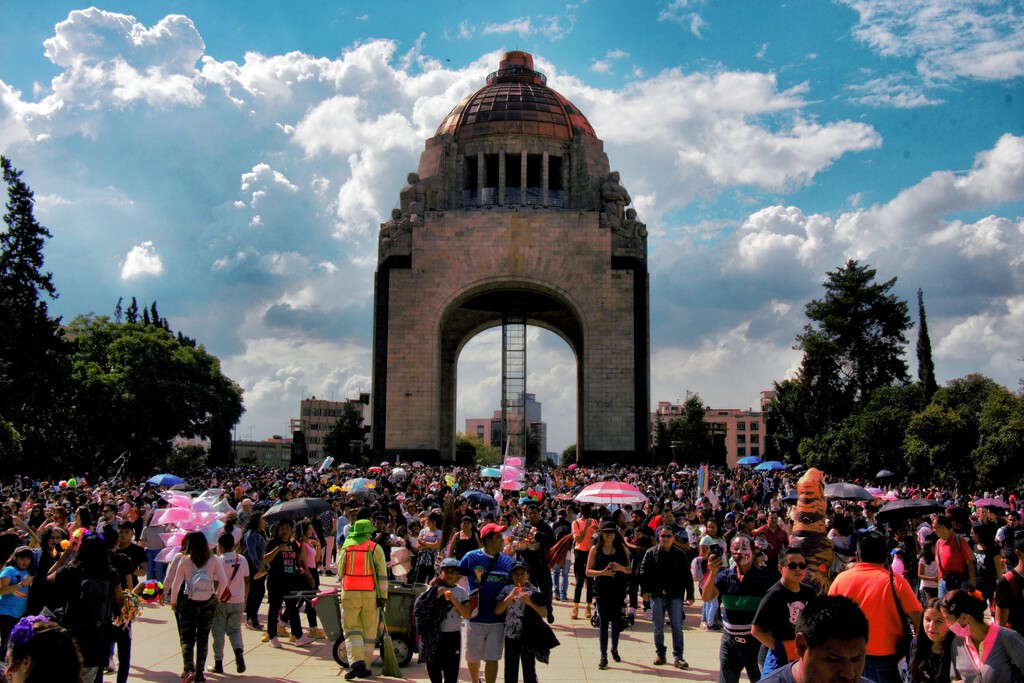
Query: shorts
x=484, y=642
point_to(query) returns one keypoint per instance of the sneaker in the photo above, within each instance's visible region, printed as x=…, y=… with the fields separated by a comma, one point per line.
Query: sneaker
x=365, y=673
x=254, y=625
x=353, y=673
x=291, y=638
x=301, y=641
x=266, y=637
x=200, y=677
x=615, y=656
x=317, y=633
x=275, y=643
x=239, y=661
x=659, y=660
x=681, y=664
x=704, y=626
x=603, y=664
x=188, y=677
x=217, y=667
x=282, y=630
x=648, y=614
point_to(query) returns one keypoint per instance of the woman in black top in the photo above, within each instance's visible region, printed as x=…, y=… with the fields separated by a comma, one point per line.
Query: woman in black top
x=466, y=539
x=608, y=564
x=285, y=574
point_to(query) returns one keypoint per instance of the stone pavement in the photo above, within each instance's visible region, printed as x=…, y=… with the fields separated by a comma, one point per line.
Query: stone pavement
x=156, y=655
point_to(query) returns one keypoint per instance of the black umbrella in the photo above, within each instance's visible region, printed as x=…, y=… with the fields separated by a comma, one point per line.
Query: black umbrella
x=296, y=508
x=480, y=498
x=906, y=508
x=845, y=491
x=791, y=497
x=884, y=474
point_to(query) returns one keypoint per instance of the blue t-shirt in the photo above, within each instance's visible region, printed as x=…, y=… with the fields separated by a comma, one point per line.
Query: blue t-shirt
x=13, y=604
x=473, y=565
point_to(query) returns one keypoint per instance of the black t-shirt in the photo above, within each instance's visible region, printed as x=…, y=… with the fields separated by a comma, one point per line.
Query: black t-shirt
x=286, y=567
x=780, y=608
x=137, y=557
x=1011, y=596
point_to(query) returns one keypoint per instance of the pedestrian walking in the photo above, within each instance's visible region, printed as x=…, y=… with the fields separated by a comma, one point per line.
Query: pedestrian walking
x=488, y=570
x=608, y=565
x=364, y=582
x=513, y=602
x=666, y=581
x=196, y=585
x=227, y=618
x=775, y=621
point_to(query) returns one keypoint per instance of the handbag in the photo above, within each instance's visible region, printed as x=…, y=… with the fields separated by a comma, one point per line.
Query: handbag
x=903, y=644
x=474, y=595
x=226, y=595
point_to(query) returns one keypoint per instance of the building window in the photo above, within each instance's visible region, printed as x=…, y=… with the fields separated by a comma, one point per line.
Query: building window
x=754, y=450
x=741, y=438
x=741, y=452
x=755, y=426
x=269, y=455
x=741, y=426
x=755, y=438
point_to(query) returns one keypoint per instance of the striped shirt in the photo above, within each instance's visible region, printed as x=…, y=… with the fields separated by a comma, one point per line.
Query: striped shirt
x=741, y=599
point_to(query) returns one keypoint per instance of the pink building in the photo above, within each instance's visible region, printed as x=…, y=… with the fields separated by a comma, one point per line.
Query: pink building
x=743, y=431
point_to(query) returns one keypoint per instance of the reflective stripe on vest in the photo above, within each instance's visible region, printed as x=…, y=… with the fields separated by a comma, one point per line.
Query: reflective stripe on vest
x=359, y=574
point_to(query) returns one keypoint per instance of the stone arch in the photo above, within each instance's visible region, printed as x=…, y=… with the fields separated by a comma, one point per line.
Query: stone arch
x=480, y=307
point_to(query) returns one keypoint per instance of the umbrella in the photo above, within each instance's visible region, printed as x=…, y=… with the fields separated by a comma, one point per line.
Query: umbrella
x=791, y=497
x=358, y=483
x=417, y=463
x=770, y=466
x=165, y=480
x=573, y=466
x=991, y=503
x=480, y=498
x=375, y=470
x=385, y=463
x=906, y=508
x=490, y=472
x=749, y=460
x=882, y=474
x=611, y=493
x=181, y=487
x=296, y=508
x=842, y=490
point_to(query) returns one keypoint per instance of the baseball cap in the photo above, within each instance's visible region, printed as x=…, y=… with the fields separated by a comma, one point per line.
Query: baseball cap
x=449, y=563
x=492, y=529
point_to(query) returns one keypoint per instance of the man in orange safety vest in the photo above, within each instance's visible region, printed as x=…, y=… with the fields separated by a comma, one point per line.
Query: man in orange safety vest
x=364, y=584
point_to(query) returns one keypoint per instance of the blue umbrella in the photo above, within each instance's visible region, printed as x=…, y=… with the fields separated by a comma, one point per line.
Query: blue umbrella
x=770, y=466
x=749, y=460
x=480, y=498
x=165, y=480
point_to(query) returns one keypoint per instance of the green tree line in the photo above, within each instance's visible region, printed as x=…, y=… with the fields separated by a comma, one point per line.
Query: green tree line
x=853, y=410
x=78, y=397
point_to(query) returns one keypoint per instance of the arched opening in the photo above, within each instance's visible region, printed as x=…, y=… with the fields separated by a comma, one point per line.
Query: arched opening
x=478, y=311
x=552, y=378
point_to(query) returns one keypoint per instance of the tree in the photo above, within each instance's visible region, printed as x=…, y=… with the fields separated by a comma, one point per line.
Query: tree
x=925, y=364
x=33, y=357
x=853, y=346
x=690, y=435
x=471, y=450
x=136, y=388
x=569, y=455
x=662, y=440
x=346, y=431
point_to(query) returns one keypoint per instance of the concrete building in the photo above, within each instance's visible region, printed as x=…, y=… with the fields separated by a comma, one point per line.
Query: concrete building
x=318, y=417
x=488, y=430
x=514, y=214
x=742, y=431
x=272, y=452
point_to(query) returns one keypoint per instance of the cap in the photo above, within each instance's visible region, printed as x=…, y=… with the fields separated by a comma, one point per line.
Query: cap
x=609, y=526
x=518, y=565
x=449, y=563
x=492, y=529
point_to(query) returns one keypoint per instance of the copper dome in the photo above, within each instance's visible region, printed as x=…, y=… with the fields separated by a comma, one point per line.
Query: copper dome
x=516, y=101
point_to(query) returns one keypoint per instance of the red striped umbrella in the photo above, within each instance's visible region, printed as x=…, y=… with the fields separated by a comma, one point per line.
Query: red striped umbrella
x=611, y=493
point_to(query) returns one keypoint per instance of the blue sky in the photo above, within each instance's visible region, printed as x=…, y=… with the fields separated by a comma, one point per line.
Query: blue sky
x=233, y=162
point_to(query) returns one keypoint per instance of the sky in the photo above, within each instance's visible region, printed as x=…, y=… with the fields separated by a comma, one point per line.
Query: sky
x=233, y=162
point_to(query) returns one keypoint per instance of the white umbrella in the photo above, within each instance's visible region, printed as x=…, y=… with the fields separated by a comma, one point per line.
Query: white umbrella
x=611, y=493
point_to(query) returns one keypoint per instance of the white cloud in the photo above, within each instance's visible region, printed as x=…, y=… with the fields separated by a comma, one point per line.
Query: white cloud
x=891, y=91
x=522, y=26
x=948, y=38
x=140, y=261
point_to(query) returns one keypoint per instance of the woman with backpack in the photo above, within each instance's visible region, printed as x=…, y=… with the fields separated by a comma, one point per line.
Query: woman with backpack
x=91, y=589
x=198, y=581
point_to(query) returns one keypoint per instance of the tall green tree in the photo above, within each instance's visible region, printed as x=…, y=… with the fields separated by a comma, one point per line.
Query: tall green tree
x=853, y=345
x=33, y=360
x=690, y=435
x=137, y=387
x=662, y=440
x=925, y=364
x=346, y=431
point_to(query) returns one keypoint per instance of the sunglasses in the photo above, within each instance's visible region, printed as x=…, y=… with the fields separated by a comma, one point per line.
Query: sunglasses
x=666, y=536
x=796, y=565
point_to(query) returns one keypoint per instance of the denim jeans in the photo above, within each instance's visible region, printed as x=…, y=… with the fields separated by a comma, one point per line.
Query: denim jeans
x=945, y=588
x=674, y=606
x=560, y=577
x=155, y=570
x=709, y=612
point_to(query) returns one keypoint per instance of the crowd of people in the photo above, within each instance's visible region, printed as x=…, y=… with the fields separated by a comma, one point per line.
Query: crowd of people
x=933, y=596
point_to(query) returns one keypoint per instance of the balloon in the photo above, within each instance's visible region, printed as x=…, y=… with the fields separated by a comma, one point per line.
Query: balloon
x=151, y=591
x=63, y=484
x=449, y=479
x=72, y=483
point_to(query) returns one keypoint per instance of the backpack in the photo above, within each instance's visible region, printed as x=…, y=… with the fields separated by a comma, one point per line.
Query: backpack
x=94, y=607
x=200, y=588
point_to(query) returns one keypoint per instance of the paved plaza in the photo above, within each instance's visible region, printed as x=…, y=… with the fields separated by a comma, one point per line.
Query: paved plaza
x=156, y=655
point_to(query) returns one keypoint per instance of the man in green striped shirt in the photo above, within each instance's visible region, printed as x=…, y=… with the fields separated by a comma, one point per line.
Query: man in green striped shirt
x=741, y=587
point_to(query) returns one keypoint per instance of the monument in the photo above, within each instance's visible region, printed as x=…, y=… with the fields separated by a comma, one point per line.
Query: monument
x=513, y=212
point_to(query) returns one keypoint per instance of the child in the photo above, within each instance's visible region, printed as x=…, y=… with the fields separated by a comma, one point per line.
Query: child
x=513, y=601
x=439, y=612
x=227, y=619
x=928, y=572
x=931, y=654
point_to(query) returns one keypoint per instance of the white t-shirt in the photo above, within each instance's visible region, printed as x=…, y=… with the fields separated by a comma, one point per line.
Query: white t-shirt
x=237, y=584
